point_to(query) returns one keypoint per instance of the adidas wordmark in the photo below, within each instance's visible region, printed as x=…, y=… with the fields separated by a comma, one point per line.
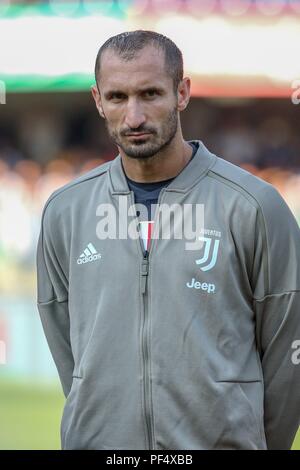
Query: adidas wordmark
x=88, y=255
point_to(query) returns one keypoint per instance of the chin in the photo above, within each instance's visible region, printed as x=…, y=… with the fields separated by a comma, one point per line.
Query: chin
x=140, y=150
x=140, y=155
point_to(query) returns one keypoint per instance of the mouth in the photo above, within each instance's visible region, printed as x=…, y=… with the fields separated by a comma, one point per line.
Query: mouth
x=140, y=135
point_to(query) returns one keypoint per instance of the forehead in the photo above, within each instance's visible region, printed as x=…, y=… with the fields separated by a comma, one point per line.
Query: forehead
x=147, y=68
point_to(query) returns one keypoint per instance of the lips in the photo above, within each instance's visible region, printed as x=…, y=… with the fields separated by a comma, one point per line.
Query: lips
x=143, y=134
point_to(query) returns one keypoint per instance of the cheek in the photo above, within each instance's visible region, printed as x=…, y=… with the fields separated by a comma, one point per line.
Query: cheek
x=168, y=116
x=159, y=113
x=113, y=119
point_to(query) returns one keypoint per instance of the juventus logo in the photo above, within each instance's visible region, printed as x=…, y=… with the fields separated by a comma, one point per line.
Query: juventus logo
x=210, y=254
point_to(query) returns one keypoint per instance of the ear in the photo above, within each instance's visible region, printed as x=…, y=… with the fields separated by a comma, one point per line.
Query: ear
x=97, y=98
x=183, y=93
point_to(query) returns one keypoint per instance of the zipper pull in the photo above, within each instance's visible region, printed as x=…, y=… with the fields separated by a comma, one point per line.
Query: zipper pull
x=145, y=265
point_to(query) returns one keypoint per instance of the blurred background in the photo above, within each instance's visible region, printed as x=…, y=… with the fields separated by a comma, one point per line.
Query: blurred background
x=244, y=63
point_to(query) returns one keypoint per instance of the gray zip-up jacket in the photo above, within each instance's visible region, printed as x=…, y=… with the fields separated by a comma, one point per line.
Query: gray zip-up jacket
x=182, y=349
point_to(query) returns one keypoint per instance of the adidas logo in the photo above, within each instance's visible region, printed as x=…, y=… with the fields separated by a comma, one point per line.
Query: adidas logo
x=88, y=255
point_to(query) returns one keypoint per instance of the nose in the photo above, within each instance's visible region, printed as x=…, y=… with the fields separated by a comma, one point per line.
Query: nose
x=135, y=116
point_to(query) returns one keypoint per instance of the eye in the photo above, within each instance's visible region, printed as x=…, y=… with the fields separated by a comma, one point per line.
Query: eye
x=150, y=93
x=117, y=96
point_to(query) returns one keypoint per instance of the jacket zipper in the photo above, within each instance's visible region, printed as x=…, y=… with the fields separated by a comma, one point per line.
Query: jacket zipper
x=145, y=347
x=145, y=352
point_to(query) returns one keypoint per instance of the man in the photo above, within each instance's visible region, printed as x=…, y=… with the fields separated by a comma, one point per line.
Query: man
x=159, y=346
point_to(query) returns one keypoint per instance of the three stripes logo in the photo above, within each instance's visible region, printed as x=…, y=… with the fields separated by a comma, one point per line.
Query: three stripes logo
x=210, y=254
x=89, y=254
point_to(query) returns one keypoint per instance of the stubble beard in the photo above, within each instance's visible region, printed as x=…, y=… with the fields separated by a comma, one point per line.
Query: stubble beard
x=152, y=145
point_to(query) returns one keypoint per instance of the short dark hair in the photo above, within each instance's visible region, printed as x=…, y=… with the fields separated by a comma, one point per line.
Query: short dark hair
x=128, y=44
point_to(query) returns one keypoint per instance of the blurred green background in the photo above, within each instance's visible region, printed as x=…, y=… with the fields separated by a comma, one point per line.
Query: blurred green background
x=30, y=415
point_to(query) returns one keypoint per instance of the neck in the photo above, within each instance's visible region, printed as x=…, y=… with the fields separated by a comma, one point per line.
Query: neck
x=162, y=166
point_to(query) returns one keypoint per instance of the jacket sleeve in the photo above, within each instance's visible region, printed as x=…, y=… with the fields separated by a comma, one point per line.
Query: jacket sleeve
x=52, y=302
x=276, y=278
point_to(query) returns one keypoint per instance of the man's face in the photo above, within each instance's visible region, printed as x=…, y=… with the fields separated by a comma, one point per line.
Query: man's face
x=138, y=102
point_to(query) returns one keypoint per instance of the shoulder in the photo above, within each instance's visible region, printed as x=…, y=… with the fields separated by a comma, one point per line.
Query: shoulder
x=242, y=183
x=70, y=192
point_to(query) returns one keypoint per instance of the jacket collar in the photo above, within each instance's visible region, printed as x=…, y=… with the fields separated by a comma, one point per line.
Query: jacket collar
x=189, y=175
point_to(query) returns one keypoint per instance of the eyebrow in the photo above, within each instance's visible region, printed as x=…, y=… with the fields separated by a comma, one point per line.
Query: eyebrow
x=142, y=90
